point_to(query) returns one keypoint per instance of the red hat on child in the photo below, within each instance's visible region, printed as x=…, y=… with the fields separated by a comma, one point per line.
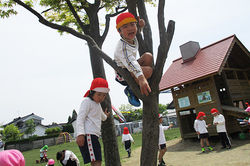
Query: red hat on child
x=98, y=85
x=124, y=18
x=214, y=110
x=159, y=116
x=125, y=130
x=200, y=114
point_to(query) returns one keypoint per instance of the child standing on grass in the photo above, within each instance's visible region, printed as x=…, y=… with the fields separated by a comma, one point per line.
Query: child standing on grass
x=162, y=140
x=125, y=56
x=126, y=140
x=200, y=127
x=67, y=158
x=88, y=122
x=219, y=121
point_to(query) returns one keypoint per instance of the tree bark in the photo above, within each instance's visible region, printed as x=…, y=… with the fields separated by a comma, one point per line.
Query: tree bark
x=150, y=131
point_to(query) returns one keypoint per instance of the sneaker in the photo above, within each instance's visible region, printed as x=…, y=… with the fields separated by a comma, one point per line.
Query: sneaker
x=132, y=99
x=203, y=150
x=223, y=147
x=161, y=164
x=210, y=148
x=229, y=147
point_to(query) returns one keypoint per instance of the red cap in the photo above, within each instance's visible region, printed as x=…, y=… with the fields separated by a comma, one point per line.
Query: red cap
x=214, y=110
x=124, y=18
x=160, y=116
x=125, y=130
x=98, y=85
x=200, y=114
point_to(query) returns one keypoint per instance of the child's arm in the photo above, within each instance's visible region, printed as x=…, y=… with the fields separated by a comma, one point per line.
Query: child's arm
x=80, y=131
x=143, y=83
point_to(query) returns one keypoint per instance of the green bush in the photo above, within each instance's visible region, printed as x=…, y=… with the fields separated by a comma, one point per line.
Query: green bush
x=54, y=130
x=68, y=128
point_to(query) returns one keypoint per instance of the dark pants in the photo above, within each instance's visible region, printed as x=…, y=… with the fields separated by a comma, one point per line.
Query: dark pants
x=224, y=139
x=127, y=145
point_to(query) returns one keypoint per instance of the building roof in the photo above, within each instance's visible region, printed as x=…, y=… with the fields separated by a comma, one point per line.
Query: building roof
x=208, y=61
x=27, y=117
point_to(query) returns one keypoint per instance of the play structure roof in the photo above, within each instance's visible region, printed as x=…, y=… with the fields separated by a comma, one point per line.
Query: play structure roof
x=208, y=61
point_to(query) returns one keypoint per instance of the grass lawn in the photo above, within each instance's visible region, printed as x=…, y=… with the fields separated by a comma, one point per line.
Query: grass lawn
x=32, y=155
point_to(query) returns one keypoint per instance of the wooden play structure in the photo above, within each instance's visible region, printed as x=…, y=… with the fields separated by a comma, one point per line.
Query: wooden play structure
x=216, y=76
x=63, y=138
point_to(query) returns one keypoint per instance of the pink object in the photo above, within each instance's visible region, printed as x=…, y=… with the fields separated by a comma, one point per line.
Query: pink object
x=248, y=109
x=11, y=158
x=51, y=162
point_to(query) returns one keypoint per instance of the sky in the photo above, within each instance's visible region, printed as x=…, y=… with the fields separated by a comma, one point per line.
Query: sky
x=45, y=73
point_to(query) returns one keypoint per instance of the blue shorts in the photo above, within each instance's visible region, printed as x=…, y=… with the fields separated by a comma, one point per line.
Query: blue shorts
x=91, y=151
x=162, y=146
x=204, y=135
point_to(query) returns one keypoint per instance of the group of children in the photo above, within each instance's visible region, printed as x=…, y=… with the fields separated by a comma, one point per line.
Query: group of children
x=200, y=127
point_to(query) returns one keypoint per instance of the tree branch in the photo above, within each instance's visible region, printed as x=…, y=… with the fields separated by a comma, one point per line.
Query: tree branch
x=75, y=15
x=105, y=33
x=56, y=26
x=165, y=41
x=125, y=74
x=147, y=29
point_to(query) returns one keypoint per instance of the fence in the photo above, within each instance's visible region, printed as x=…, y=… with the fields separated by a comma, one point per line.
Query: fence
x=32, y=144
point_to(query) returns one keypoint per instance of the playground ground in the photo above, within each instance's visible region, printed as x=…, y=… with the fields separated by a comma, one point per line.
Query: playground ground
x=188, y=153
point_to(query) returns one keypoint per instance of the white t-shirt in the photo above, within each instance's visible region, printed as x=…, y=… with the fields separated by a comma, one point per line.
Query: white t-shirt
x=70, y=155
x=126, y=137
x=89, y=118
x=125, y=56
x=162, y=139
x=220, y=127
x=200, y=126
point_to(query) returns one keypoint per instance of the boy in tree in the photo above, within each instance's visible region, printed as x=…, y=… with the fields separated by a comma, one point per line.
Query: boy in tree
x=125, y=56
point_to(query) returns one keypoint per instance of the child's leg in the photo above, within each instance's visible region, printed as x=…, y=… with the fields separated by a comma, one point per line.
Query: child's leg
x=207, y=142
x=202, y=142
x=146, y=59
x=146, y=62
x=161, y=154
x=96, y=163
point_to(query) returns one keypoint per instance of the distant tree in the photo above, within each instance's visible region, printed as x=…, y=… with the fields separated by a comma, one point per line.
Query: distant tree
x=11, y=133
x=162, y=108
x=74, y=114
x=68, y=128
x=30, y=127
x=54, y=130
x=69, y=119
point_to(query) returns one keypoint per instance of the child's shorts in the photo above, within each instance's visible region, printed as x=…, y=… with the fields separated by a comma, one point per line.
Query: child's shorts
x=127, y=144
x=119, y=79
x=91, y=151
x=162, y=146
x=204, y=135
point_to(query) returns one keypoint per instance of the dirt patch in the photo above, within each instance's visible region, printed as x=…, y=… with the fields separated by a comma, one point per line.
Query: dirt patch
x=187, y=153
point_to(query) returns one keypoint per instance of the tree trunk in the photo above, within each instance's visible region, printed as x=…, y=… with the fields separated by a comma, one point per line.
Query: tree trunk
x=150, y=131
x=109, y=139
